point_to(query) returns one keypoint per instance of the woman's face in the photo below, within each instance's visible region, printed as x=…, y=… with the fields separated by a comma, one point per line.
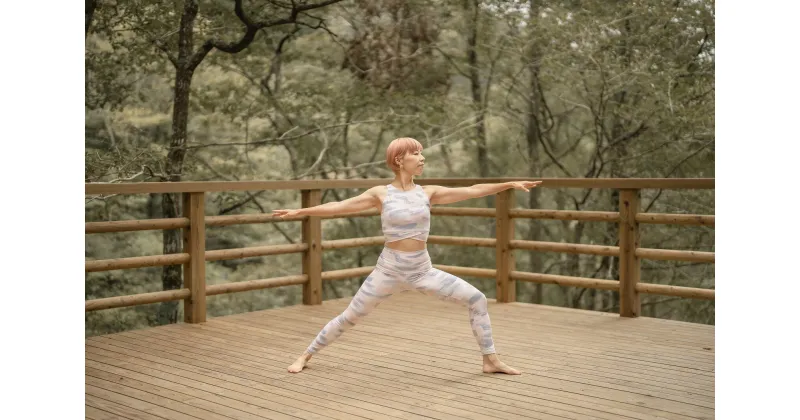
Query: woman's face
x=412, y=162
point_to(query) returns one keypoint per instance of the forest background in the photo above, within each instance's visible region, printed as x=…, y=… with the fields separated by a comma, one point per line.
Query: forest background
x=277, y=90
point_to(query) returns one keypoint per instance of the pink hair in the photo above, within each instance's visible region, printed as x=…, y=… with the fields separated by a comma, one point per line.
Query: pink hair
x=399, y=148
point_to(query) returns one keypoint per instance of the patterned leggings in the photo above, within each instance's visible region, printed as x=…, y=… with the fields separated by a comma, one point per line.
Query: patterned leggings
x=397, y=271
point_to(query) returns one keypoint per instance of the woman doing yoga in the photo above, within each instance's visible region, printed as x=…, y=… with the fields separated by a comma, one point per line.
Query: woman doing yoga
x=404, y=263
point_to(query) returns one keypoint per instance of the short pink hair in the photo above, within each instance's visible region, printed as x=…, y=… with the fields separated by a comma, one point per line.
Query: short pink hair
x=399, y=148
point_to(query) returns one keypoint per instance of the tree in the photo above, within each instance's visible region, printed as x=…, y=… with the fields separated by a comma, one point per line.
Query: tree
x=494, y=88
x=186, y=55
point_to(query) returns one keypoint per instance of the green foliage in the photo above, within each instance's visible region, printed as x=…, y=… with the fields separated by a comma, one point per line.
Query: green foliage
x=611, y=89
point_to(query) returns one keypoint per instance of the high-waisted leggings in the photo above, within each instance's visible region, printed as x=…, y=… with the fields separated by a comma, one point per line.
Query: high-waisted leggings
x=397, y=271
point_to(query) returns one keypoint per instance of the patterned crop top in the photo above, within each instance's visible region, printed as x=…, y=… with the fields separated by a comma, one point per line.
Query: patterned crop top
x=406, y=214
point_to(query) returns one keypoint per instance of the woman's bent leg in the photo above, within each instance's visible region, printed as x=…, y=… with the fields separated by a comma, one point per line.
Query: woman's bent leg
x=451, y=288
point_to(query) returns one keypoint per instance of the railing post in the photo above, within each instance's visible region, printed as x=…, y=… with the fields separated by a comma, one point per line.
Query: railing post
x=194, y=271
x=312, y=257
x=504, y=256
x=629, y=268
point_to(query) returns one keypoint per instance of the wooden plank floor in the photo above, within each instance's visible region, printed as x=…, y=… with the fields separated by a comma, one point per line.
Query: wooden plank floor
x=414, y=357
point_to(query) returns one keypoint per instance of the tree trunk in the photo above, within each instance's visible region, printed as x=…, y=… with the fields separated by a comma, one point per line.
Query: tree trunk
x=171, y=275
x=153, y=206
x=533, y=135
x=477, y=97
x=90, y=7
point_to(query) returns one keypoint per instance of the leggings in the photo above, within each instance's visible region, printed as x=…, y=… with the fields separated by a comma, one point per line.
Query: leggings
x=397, y=271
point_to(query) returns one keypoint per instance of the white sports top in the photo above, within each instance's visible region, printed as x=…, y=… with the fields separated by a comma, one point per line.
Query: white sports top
x=406, y=214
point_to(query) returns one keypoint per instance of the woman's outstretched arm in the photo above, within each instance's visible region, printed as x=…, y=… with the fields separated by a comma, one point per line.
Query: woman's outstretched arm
x=365, y=201
x=444, y=195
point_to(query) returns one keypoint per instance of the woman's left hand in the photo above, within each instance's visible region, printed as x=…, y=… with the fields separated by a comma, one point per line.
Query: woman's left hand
x=525, y=185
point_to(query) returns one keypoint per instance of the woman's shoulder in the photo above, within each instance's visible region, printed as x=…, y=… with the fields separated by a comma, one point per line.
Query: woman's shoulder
x=378, y=191
x=429, y=190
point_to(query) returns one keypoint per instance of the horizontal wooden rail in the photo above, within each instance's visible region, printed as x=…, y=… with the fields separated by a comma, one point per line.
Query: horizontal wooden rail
x=463, y=211
x=675, y=219
x=243, y=286
x=140, y=299
x=584, y=216
x=678, y=291
x=183, y=222
x=672, y=255
x=467, y=271
x=217, y=289
x=462, y=241
x=372, y=212
x=609, y=251
x=255, y=251
x=432, y=239
x=219, y=186
x=566, y=280
x=136, y=225
x=353, y=243
x=244, y=219
x=136, y=262
x=346, y=273
x=441, y=211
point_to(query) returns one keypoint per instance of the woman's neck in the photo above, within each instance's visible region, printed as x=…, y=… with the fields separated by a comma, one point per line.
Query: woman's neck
x=405, y=181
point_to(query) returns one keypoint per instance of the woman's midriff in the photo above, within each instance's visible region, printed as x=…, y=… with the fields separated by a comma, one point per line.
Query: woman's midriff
x=407, y=245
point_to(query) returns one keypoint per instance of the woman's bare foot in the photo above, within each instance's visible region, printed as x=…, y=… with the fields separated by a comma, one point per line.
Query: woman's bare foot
x=300, y=363
x=491, y=364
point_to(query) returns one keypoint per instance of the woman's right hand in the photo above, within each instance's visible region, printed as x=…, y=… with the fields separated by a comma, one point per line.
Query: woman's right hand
x=285, y=213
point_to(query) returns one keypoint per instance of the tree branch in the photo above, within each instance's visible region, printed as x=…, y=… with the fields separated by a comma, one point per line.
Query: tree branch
x=633, y=134
x=275, y=66
x=251, y=197
x=251, y=29
x=281, y=138
x=379, y=162
x=316, y=164
x=555, y=160
x=675, y=168
x=451, y=61
x=161, y=45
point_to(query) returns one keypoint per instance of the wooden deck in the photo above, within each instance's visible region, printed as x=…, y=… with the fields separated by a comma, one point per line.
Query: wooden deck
x=414, y=357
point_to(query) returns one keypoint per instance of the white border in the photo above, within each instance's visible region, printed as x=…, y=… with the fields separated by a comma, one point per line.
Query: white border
x=42, y=166
x=756, y=244
x=757, y=236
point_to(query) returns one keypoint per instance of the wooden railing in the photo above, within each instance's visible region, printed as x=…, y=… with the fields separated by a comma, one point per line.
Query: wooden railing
x=195, y=255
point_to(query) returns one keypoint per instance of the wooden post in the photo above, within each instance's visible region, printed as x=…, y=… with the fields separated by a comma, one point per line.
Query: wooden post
x=629, y=268
x=504, y=255
x=194, y=271
x=312, y=258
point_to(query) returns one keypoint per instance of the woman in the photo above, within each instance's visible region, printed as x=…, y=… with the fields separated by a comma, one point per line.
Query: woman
x=404, y=263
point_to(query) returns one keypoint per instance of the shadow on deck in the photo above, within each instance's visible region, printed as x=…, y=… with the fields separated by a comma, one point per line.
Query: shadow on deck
x=413, y=357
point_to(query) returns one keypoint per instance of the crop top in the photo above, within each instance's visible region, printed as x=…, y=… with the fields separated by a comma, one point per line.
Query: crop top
x=406, y=214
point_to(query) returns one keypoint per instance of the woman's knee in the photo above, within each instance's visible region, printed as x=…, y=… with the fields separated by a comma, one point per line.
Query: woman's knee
x=478, y=299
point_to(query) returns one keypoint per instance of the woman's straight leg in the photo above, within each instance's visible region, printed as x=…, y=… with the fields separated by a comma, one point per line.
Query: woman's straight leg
x=377, y=287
